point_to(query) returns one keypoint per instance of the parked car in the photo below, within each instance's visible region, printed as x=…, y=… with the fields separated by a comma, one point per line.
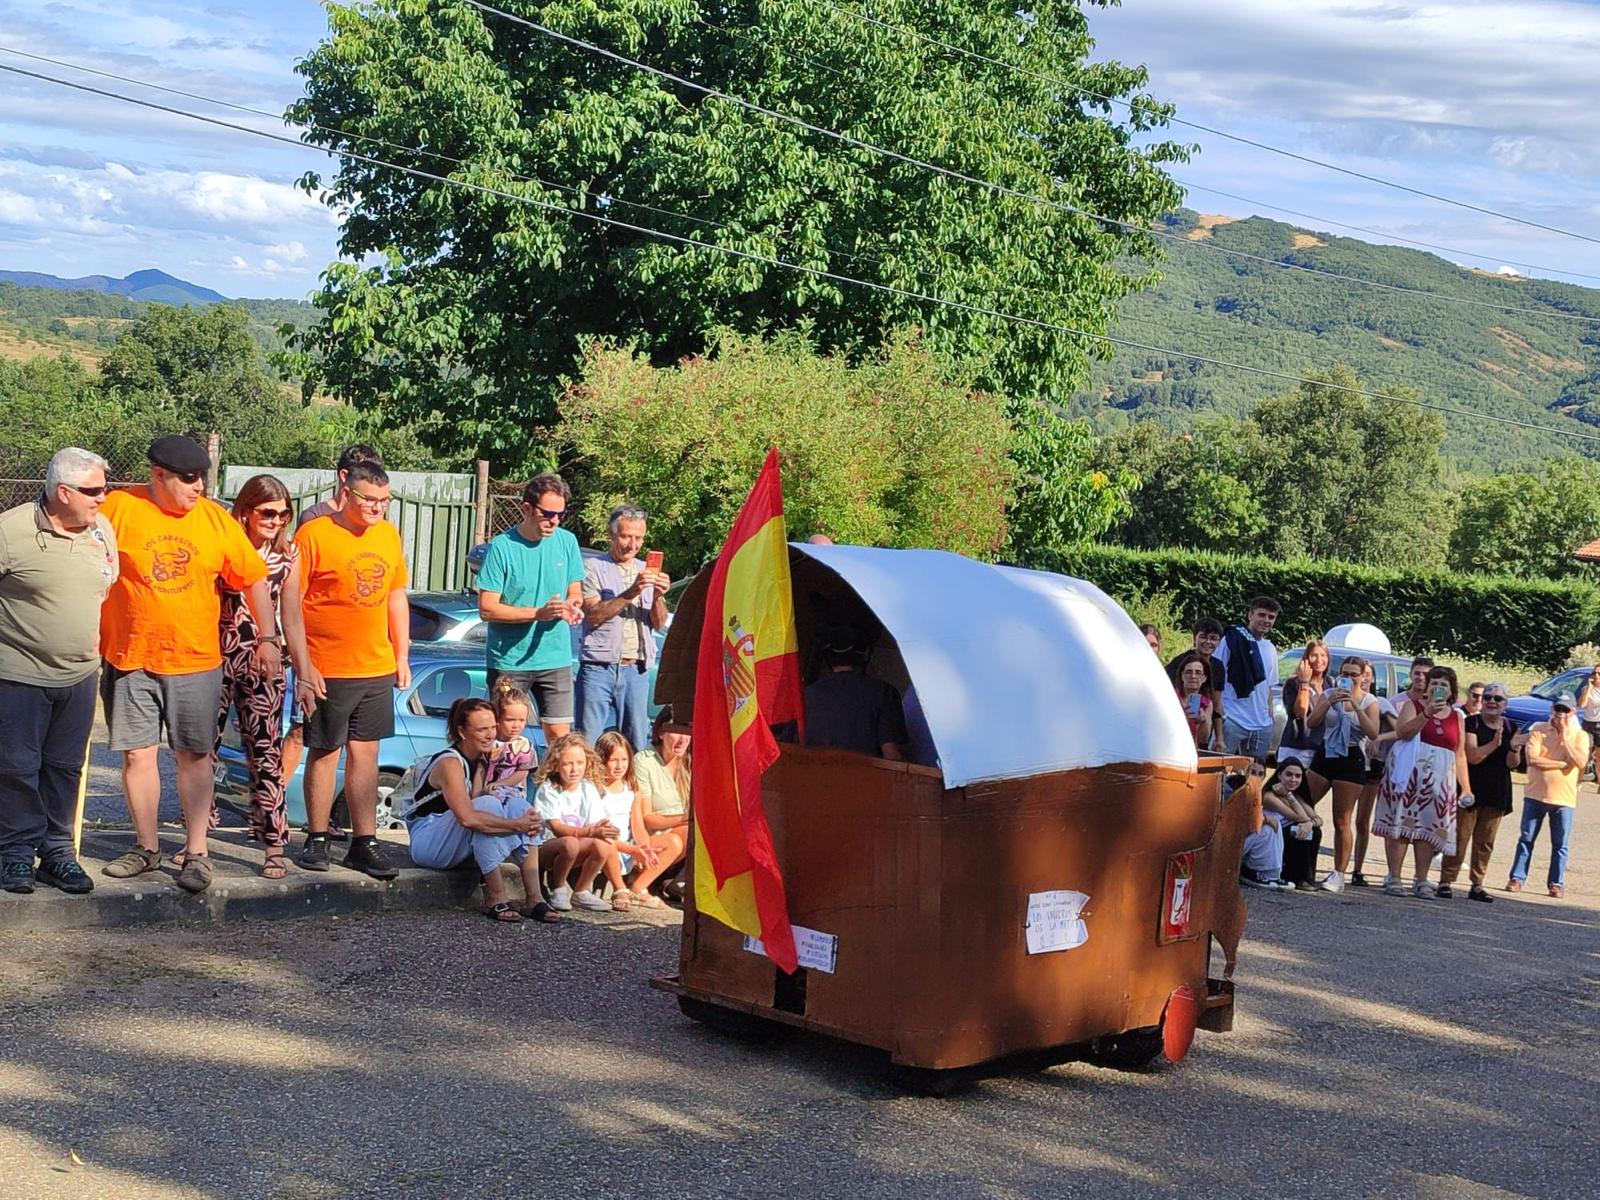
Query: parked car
x=446, y=617
x=1534, y=705
x=1391, y=676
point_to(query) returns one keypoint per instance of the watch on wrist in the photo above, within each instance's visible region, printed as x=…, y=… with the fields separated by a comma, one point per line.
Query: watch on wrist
x=272, y=639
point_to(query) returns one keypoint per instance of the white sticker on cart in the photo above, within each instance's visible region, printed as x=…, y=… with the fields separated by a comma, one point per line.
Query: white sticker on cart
x=1055, y=921
x=812, y=948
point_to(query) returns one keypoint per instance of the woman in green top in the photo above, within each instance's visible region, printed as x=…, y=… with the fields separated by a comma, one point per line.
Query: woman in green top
x=663, y=774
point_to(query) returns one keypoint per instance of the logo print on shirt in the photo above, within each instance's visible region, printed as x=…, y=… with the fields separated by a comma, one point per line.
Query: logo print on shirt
x=370, y=572
x=170, y=559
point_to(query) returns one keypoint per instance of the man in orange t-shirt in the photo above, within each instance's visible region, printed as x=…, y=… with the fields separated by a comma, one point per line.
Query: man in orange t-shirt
x=163, y=653
x=358, y=632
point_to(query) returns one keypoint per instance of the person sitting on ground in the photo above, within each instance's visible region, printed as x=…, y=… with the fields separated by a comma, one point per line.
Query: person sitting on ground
x=1343, y=716
x=1261, y=860
x=626, y=803
x=1192, y=695
x=453, y=815
x=664, y=774
x=1494, y=748
x=581, y=839
x=512, y=760
x=849, y=709
x=1556, y=753
x=1288, y=798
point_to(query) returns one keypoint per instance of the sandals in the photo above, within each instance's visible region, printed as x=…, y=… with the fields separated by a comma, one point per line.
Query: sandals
x=648, y=900
x=196, y=873
x=541, y=913
x=135, y=862
x=275, y=865
x=621, y=900
x=503, y=914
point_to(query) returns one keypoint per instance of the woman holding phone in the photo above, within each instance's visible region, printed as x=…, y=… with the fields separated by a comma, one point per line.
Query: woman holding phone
x=1302, y=737
x=1345, y=714
x=1424, y=783
x=1193, y=681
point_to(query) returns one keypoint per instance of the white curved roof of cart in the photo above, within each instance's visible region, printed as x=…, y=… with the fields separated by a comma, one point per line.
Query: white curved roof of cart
x=1018, y=672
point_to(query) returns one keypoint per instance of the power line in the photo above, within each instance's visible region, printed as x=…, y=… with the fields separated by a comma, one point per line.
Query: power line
x=816, y=272
x=1002, y=189
x=1222, y=133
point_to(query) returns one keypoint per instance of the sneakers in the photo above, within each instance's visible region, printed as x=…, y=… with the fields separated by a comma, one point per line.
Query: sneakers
x=366, y=855
x=1445, y=891
x=1393, y=886
x=590, y=901
x=1424, y=889
x=1357, y=879
x=17, y=877
x=314, y=856
x=1513, y=885
x=66, y=874
x=1250, y=879
x=1304, y=885
x=135, y=862
x=1477, y=893
x=1332, y=882
x=561, y=899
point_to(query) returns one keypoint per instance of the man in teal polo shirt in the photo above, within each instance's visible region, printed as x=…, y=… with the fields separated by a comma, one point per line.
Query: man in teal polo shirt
x=530, y=592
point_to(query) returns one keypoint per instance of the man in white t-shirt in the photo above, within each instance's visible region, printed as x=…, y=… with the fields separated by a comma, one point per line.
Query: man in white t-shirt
x=1250, y=668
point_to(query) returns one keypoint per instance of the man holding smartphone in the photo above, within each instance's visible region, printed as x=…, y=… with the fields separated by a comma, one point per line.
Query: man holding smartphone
x=624, y=603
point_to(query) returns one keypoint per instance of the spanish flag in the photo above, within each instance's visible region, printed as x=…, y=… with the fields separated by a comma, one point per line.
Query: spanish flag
x=747, y=679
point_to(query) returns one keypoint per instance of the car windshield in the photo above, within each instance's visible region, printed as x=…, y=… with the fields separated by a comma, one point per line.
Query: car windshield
x=429, y=625
x=1567, y=681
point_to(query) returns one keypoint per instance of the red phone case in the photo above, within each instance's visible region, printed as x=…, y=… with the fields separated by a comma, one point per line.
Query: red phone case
x=652, y=561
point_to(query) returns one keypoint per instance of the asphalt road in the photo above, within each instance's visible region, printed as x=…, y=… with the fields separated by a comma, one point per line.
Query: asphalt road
x=1384, y=1048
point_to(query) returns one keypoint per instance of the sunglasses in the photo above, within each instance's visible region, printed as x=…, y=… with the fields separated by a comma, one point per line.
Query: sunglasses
x=274, y=514
x=549, y=514
x=189, y=477
x=91, y=492
x=1491, y=698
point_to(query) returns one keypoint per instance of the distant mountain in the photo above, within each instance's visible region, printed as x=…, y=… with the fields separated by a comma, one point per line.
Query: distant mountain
x=1540, y=365
x=155, y=286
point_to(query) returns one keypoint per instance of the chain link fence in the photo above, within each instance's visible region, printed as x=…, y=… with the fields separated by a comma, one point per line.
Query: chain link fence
x=22, y=476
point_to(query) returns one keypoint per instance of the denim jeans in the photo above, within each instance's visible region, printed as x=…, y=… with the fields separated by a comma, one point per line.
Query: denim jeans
x=441, y=842
x=1252, y=742
x=614, y=696
x=44, y=732
x=1534, y=813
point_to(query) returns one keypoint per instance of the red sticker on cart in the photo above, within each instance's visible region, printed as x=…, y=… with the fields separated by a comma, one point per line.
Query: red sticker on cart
x=1177, y=897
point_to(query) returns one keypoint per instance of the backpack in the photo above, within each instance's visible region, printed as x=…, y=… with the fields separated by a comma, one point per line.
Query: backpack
x=403, y=800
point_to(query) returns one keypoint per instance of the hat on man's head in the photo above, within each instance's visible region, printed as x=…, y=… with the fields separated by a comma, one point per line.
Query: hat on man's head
x=1565, y=700
x=178, y=453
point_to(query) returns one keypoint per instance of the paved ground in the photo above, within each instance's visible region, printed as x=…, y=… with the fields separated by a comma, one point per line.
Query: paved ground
x=1385, y=1048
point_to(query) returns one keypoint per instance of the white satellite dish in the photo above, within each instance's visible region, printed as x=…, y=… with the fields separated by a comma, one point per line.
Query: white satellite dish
x=1359, y=636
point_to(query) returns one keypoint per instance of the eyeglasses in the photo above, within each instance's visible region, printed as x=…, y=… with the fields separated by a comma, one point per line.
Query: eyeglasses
x=1476, y=696
x=549, y=514
x=274, y=514
x=91, y=492
x=375, y=503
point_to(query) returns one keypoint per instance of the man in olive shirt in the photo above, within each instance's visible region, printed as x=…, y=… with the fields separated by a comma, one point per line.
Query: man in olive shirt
x=58, y=558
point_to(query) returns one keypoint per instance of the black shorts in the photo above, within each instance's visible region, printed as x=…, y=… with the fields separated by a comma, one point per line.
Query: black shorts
x=1592, y=728
x=354, y=710
x=551, y=692
x=1375, y=770
x=1348, y=768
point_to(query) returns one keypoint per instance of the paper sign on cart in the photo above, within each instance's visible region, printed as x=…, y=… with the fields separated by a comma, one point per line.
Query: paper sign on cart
x=814, y=949
x=1055, y=921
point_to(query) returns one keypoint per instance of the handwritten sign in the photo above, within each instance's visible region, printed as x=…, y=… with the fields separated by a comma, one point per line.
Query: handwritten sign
x=1055, y=921
x=813, y=949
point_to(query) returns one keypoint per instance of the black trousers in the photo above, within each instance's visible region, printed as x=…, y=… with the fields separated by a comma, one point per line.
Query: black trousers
x=1300, y=857
x=43, y=734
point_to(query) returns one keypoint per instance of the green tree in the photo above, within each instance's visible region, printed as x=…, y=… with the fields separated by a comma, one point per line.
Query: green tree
x=1191, y=490
x=470, y=306
x=1529, y=524
x=1063, y=499
x=887, y=452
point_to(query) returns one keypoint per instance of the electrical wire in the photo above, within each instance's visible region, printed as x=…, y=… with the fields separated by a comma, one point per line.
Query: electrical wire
x=1002, y=189
x=1222, y=133
x=815, y=272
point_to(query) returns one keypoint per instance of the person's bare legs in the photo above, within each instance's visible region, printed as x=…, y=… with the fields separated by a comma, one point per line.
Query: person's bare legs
x=1422, y=858
x=669, y=848
x=559, y=856
x=1394, y=853
x=321, y=769
x=1318, y=785
x=1369, y=801
x=141, y=787
x=591, y=858
x=611, y=864
x=361, y=787
x=294, y=746
x=532, y=885
x=197, y=794
x=494, y=888
x=1345, y=798
x=552, y=730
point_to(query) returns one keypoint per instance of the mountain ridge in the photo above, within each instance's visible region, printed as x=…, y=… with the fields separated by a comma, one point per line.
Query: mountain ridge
x=150, y=284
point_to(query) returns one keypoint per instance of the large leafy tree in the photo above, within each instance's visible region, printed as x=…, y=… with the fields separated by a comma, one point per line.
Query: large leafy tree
x=1529, y=524
x=469, y=306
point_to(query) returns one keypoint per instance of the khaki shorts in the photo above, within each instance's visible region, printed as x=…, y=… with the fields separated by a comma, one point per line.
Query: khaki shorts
x=139, y=703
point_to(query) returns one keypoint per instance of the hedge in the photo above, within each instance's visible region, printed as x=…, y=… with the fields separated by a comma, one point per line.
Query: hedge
x=1473, y=616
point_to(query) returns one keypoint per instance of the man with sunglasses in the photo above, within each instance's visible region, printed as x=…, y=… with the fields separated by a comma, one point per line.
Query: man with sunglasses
x=530, y=591
x=58, y=558
x=358, y=635
x=159, y=635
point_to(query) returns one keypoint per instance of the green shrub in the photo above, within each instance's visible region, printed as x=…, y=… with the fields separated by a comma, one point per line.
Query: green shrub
x=1476, y=616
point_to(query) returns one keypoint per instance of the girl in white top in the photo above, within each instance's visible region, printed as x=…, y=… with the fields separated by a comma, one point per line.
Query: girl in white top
x=652, y=852
x=568, y=800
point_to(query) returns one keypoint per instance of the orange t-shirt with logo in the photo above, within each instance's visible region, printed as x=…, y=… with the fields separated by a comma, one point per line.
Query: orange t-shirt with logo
x=161, y=614
x=346, y=579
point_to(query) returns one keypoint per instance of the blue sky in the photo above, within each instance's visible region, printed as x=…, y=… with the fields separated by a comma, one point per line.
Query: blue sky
x=1492, y=102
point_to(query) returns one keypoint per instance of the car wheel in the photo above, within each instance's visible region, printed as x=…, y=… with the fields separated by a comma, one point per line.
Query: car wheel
x=1130, y=1051
x=388, y=780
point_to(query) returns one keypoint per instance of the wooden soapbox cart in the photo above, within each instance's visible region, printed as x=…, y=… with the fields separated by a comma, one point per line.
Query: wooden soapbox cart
x=1058, y=879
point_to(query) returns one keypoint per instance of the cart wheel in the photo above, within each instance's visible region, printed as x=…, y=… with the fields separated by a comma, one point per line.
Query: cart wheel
x=1128, y=1051
x=926, y=1081
x=728, y=1021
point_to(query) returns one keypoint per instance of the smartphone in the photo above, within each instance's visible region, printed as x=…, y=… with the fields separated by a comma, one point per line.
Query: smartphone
x=1192, y=702
x=652, y=561
x=1439, y=693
